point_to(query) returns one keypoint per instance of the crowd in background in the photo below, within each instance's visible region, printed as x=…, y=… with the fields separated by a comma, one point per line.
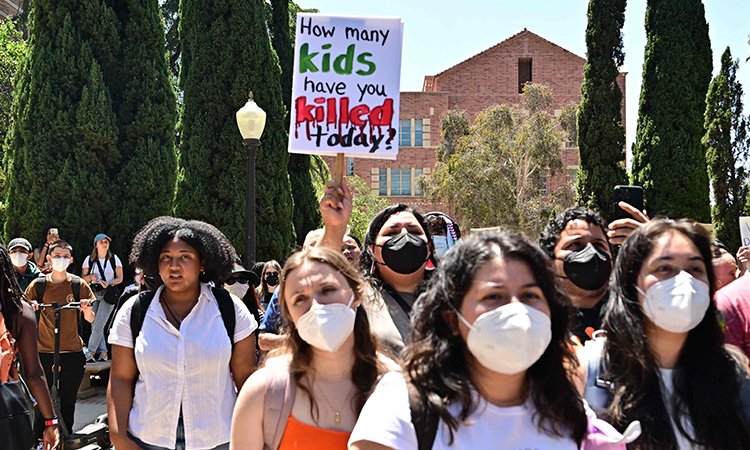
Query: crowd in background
x=598, y=336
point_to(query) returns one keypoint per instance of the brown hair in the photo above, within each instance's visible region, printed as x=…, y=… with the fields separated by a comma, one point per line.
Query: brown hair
x=269, y=265
x=366, y=367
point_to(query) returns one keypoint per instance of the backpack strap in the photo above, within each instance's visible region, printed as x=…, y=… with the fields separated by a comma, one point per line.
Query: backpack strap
x=424, y=419
x=226, y=308
x=41, y=284
x=138, y=313
x=75, y=286
x=277, y=402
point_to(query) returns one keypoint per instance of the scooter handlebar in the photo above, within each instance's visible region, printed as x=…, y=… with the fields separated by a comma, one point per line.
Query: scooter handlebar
x=71, y=305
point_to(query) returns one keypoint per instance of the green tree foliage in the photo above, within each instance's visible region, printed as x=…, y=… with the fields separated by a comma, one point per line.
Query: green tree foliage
x=366, y=204
x=601, y=136
x=306, y=215
x=494, y=173
x=169, y=12
x=62, y=143
x=454, y=125
x=146, y=115
x=12, y=50
x=727, y=148
x=226, y=52
x=668, y=157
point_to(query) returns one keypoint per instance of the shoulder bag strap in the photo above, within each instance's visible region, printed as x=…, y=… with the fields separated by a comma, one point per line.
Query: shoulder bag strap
x=277, y=403
x=425, y=419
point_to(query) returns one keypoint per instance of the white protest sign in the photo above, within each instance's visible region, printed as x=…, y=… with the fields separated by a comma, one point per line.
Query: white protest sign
x=745, y=231
x=345, y=87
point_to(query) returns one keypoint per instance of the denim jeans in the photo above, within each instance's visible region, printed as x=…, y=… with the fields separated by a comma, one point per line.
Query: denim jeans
x=179, y=444
x=102, y=309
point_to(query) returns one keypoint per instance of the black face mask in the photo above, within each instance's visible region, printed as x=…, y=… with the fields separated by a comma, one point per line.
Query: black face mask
x=272, y=279
x=404, y=253
x=588, y=268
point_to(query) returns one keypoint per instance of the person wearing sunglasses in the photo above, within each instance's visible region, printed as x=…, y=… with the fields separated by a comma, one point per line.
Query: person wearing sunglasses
x=241, y=284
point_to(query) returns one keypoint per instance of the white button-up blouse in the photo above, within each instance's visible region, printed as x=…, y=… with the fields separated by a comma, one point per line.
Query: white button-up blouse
x=184, y=369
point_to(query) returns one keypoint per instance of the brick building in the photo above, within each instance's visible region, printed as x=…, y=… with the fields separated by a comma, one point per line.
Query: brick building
x=494, y=76
x=10, y=8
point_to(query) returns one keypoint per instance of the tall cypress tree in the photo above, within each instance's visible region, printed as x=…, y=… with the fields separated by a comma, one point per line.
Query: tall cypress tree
x=63, y=140
x=226, y=52
x=668, y=157
x=601, y=135
x=146, y=177
x=306, y=215
x=727, y=143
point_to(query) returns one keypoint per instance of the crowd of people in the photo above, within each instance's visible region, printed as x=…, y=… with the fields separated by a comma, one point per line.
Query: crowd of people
x=600, y=335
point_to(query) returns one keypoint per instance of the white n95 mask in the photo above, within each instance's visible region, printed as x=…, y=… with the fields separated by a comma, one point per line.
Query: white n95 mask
x=237, y=289
x=60, y=264
x=18, y=259
x=509, y=339
x=326, y=327
x=677, y=304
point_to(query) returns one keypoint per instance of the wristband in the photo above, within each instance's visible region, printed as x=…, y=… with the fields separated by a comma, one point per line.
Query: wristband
x=51, y=422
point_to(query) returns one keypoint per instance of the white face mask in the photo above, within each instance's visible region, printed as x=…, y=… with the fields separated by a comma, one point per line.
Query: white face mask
x=326, y=327
x=19, y=259
x=509, y=339
x=238, y=289
x=677, y=304
x=60, y=264
x=440, y=243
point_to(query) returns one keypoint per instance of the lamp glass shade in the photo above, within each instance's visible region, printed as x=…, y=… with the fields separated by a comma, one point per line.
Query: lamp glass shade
x=251, y=120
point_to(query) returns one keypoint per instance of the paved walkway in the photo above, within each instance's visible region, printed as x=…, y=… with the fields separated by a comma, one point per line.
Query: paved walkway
x=88, y=409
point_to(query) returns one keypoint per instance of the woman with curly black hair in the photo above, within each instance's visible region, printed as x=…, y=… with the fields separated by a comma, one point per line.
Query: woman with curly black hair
x=663, y=361
x=488, y=363
x=173, y=381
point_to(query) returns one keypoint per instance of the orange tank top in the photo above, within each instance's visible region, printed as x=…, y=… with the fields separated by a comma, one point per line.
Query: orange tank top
x=300, y=436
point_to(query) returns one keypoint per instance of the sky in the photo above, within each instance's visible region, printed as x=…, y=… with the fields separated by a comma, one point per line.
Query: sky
x=441, y=33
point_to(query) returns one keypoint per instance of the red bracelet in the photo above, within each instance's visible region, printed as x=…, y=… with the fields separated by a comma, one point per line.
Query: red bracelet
x=51, y=422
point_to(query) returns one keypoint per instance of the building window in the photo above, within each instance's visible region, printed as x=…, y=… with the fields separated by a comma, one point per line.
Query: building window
x=349, y=167
x=400, y=181
x=418, y=132
x=573, y=176
x=418, y=182
x=543, y=186
x=404, y=134
x=524, y=73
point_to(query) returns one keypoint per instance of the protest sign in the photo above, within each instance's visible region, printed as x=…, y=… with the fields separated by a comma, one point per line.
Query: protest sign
x=745, y=231
x=345, y=88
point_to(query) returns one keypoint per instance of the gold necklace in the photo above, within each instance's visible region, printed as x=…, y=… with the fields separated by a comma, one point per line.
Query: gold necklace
x=337, y=411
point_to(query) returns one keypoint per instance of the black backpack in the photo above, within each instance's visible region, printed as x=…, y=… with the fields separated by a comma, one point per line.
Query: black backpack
x=75, y=285
x=225, y=302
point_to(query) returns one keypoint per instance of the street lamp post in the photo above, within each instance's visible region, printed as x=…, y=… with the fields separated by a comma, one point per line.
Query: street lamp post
x=251, y=120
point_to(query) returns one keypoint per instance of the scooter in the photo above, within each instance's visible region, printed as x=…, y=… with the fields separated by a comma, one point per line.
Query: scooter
x=94, y=436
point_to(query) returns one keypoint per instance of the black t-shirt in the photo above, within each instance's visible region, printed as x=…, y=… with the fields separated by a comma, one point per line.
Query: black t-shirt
x=588, y=320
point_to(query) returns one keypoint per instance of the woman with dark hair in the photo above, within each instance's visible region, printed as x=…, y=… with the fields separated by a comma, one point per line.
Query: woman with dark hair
x=172, y=382
x=326, y=369
x=21, y=323
x=663, y=361
x=397, y=249
x=269, y=281
x=488, y=362
x=241, y=284
x=50, y=234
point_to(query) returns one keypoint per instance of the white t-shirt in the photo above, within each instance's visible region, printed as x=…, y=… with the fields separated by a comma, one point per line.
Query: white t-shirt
x=667, y=383
x=109, y=271
x=386, y=420
x=186, y=368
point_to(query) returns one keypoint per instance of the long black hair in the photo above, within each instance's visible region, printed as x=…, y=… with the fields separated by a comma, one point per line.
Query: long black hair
x=436, y=357
x=11, y=294
x=366, y=258
x=707, y=382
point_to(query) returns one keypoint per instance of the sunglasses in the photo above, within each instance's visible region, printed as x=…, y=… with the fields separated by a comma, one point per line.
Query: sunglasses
x=271, y=273
x=241, y=280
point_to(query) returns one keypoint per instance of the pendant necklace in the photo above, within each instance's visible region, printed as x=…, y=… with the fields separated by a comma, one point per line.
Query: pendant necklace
x=337, y=412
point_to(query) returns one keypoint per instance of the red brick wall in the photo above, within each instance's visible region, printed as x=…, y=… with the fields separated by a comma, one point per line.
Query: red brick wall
x=9, y=8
